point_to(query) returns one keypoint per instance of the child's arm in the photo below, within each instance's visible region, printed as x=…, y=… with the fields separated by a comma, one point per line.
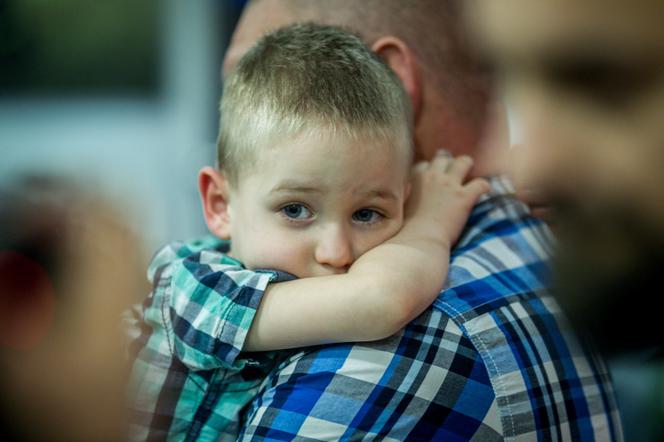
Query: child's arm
x=386, y=287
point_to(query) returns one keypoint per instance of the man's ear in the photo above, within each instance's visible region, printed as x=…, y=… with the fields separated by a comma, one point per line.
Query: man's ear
x=214, y=190
x=398, y=56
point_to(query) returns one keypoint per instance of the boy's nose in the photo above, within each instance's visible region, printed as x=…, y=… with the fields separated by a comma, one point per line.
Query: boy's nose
x=334, y=248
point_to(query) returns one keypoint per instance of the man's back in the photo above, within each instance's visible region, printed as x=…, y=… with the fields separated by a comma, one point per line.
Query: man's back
x=491, y=359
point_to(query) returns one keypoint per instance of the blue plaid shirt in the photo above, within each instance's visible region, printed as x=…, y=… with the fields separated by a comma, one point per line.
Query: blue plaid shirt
x=492, y=359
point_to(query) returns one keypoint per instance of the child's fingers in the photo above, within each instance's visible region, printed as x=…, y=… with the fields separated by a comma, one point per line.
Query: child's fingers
x=442, y=160
x=460, y=167
x=420, y=167
x=477, y=187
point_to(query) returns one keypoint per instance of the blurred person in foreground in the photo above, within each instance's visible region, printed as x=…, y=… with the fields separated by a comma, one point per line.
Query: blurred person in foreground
x=68, y=267
x=587, y=81
x=493, y=357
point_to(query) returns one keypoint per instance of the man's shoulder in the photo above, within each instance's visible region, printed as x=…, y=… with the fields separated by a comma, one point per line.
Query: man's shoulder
x=503, y=254
x=498, y=294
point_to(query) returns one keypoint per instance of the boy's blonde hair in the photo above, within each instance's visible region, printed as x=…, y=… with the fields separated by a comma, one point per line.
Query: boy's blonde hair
x=309, y=80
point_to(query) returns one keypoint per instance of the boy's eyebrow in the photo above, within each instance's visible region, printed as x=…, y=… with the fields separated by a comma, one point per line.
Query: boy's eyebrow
x=378, y=193
x=296, y=186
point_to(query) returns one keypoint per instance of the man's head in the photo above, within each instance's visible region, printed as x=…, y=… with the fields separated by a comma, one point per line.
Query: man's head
x=315, y=149
x=587, y=80
x=448, y=92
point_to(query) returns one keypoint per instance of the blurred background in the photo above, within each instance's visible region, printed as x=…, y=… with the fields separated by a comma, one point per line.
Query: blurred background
x=107, y=111
x=124, y=102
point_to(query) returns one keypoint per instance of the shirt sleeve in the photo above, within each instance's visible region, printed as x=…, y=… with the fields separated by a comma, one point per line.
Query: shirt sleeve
x=207, y=309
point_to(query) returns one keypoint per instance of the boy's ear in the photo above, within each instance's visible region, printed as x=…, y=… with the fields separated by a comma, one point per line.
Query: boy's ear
x=398, y=56
x=213, y=187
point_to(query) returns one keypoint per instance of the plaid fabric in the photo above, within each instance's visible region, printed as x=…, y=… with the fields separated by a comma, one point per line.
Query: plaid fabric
x=189, y=381
x=493, y=358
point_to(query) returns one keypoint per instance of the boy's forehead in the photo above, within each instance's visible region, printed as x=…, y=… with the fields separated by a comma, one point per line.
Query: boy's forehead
x=324, y=149
x=323, y=144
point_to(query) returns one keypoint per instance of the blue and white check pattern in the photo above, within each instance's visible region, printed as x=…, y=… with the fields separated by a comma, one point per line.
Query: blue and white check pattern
x=493, y=359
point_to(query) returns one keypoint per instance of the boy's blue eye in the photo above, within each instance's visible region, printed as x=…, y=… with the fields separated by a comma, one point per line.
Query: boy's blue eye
x=296, y=211
x=366, y=216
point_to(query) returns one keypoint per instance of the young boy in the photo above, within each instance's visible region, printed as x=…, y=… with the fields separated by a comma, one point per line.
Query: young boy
x=315, y=156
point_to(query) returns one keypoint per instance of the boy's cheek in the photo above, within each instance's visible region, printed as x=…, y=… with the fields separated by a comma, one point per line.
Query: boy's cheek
x=368, y=242
x=274, y=250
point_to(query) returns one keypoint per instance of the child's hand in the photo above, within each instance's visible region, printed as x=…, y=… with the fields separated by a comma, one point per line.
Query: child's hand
x=440, y=202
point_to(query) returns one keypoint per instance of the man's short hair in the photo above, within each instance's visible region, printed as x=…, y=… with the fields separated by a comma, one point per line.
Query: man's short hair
x=309, y=80
x=433, y=29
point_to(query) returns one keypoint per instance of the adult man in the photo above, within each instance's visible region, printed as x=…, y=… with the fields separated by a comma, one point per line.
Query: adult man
x=491, y=359
x=597, y=115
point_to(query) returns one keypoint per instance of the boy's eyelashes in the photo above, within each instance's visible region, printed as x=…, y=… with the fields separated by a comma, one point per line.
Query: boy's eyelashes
x=299, y=212
x=296, y=212
x=367, y=216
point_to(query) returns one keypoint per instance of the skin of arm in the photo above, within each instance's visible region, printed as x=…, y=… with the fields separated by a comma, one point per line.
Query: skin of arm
x=389, y=285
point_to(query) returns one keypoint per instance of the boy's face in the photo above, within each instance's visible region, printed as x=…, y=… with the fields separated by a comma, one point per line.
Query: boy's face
x=312, y=207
